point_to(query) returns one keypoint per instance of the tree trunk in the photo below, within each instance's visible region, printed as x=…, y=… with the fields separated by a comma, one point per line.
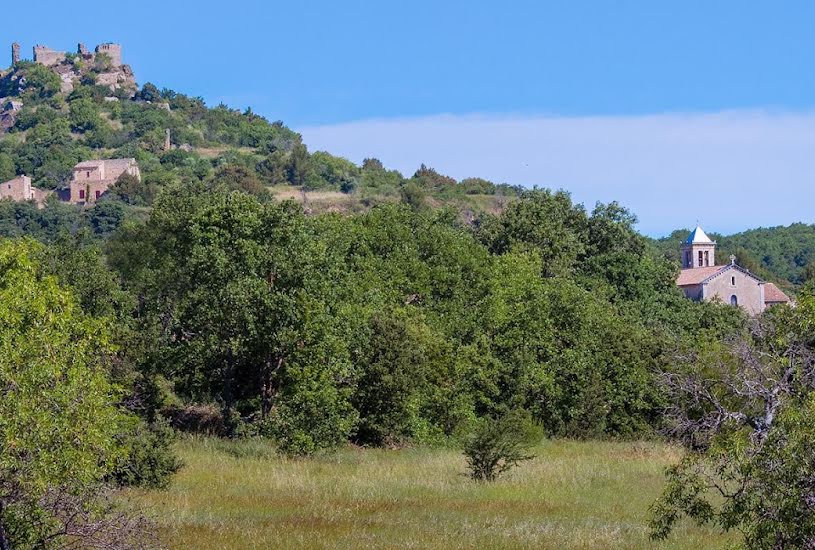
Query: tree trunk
x=227, y=393
x=267, y=389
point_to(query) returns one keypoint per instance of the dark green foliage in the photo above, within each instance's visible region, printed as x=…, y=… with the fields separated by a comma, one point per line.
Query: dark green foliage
x=148, y=460
x=395, y=368
x=428, y=178
x=130, y=190
x=40, y=82
x=477, y=186
x=414, y=196
x=498, y=445
x=337, y=173
x=7, y=170
x=300, y=166
x=546, y=222
x=19, y=219
x=238, y=178
x=106, y=217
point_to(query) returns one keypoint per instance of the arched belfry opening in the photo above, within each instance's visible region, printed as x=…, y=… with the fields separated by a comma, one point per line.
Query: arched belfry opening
x=698, y=250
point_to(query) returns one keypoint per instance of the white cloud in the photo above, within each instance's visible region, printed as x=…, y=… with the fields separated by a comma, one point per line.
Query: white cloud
x=731, y=170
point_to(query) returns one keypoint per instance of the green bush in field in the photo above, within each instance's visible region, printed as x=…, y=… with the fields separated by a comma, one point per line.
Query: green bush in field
x=498, y=445
x=148, y=460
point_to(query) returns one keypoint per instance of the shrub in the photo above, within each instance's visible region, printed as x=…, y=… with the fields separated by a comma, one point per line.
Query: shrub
x=497, y=445
x=149, y=460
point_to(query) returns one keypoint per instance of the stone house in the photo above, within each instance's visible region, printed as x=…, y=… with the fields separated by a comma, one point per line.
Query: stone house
x=701, y=279
x=20, y=189
x=91, y=179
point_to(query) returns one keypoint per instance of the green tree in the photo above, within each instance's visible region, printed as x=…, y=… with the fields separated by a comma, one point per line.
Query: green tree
x=300, y=165
x=84, y=115
x=131, y=190
x=546, y=222
x=745, y=411
x=7, y=169
x=58, y=419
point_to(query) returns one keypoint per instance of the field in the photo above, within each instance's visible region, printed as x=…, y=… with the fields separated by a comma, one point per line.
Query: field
x=573, y=495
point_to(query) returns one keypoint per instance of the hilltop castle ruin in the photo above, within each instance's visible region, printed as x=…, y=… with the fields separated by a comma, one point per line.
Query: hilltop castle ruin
x=115, y=76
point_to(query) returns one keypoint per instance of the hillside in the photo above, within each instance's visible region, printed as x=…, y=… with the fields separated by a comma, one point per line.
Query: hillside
x=81, y=108
x=88, y=107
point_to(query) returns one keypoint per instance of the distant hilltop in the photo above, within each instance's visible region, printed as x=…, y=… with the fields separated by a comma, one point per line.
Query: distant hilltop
x=106, y=58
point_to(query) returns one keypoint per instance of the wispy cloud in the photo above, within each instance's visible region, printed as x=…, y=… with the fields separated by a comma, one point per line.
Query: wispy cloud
x=730, y=170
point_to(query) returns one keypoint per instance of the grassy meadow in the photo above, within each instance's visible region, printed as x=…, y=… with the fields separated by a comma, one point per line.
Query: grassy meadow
x=573, y=495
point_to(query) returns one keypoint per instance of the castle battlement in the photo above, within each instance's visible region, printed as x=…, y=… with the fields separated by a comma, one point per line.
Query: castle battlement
x=50, y=57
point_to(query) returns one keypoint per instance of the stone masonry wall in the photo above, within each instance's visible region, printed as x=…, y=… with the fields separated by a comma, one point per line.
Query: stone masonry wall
x=18, y=189
x=48, y=57
x=747, y=290
x=113, y=51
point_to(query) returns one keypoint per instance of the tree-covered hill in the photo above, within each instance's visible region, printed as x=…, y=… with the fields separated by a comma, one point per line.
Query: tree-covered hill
x=217, y=145
x=55, y=130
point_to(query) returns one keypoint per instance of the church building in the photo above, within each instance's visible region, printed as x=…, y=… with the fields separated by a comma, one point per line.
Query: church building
x=701, y=279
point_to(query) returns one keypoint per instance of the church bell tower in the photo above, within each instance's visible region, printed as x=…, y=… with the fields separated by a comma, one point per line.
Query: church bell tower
x=698, y=250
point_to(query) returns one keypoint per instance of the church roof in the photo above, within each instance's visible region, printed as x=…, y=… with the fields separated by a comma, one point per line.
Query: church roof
x=696, y=275
x=773, y=294
x=698, y=236
x=701, y=275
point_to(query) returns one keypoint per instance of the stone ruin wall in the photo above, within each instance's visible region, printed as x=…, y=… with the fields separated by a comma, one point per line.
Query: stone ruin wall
x=113, y=51
x=48, y=57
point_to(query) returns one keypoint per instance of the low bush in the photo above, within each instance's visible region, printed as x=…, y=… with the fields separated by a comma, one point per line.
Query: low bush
x=498, y=445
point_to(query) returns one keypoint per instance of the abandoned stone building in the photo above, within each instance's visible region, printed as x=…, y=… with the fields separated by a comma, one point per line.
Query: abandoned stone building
x=91, y=179
x=20, y=189
x=701, y=279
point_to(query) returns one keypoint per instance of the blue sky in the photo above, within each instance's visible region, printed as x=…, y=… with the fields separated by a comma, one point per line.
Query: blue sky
x=645, y=102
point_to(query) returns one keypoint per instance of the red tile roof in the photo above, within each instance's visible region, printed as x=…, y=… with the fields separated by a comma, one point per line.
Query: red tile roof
x=773, y=294
x=694, y=276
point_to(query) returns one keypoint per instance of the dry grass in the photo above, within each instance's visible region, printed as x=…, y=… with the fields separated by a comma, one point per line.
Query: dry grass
x=318, y=202
x=574, y=495
x=215, y=152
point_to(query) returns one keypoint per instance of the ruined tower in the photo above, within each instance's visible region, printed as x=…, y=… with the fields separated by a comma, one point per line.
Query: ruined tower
x=113, y=51
x=167, y=144
x=82, y=50
x=15, y=53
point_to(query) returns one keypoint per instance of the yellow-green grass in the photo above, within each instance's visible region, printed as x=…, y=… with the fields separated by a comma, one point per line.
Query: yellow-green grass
x=573, y=495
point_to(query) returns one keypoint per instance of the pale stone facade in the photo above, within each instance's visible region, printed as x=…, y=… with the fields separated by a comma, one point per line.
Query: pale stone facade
x=20, y=189
x=700, y=279
x=48, y=57
x=113, y=51
x=91, y=179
